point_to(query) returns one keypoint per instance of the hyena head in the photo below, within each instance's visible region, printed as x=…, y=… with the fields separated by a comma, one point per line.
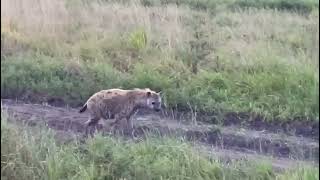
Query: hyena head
x=152, y=99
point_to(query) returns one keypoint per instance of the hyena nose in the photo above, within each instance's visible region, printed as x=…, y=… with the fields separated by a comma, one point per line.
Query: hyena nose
x=158, y=108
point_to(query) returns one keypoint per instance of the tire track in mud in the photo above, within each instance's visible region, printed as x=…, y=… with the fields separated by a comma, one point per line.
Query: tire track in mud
x=225, y=143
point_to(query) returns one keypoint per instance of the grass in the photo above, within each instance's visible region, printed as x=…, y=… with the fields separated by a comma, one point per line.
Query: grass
x=259, y=58
x=301, y=6
x=34, y=153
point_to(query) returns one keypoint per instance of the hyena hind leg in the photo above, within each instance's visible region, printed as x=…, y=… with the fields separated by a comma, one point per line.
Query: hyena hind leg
x=91, y=122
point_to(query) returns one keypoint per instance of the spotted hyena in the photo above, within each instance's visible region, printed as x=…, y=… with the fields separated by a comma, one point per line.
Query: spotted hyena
x=120, y=105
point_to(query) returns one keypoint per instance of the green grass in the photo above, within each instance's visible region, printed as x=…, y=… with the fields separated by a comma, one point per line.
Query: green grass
x=258, y=61
x=268, y=92
x=302, y=6
x=33, y=153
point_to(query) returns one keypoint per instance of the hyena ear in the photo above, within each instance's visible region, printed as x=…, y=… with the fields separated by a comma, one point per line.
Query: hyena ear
x=148, y=94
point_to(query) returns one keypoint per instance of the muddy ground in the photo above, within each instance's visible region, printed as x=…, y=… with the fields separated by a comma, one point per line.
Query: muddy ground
x=225, y=143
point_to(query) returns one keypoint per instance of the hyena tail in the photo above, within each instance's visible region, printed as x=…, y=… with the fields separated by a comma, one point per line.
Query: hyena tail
x=84, y=107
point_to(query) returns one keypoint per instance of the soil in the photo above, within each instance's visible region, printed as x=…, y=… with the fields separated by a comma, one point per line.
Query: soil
x=297, y=126
x=224, y=142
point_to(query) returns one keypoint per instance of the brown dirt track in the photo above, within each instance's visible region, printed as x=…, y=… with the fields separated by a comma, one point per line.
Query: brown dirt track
x=225, y=143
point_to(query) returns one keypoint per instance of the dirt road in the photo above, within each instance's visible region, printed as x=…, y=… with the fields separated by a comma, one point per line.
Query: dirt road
x=225, y=143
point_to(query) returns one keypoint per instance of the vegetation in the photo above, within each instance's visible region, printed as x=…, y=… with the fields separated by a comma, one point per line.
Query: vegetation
x=35, y=154
x=301, y=6
x=258, y=57
x=213, y=56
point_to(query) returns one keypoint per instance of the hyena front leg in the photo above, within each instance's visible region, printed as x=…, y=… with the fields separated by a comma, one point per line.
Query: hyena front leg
x=125, y=124
x=129, y=126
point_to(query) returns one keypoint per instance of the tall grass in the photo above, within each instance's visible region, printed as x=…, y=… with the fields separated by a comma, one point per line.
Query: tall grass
x=258, y=61
x=35, y=154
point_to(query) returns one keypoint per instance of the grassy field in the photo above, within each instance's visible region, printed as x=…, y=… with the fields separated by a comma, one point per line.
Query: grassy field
x=212, y=56
x=35, y=154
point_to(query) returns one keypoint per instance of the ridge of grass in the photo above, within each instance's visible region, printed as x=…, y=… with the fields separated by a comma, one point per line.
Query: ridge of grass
x=33, y=153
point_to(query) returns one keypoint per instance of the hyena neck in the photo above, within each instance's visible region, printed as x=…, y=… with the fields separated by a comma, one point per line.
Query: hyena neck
x=136, y=105
x=133, y=104
x=135, y=100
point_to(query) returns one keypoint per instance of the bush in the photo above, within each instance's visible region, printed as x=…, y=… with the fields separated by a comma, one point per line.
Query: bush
x=138, y=39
